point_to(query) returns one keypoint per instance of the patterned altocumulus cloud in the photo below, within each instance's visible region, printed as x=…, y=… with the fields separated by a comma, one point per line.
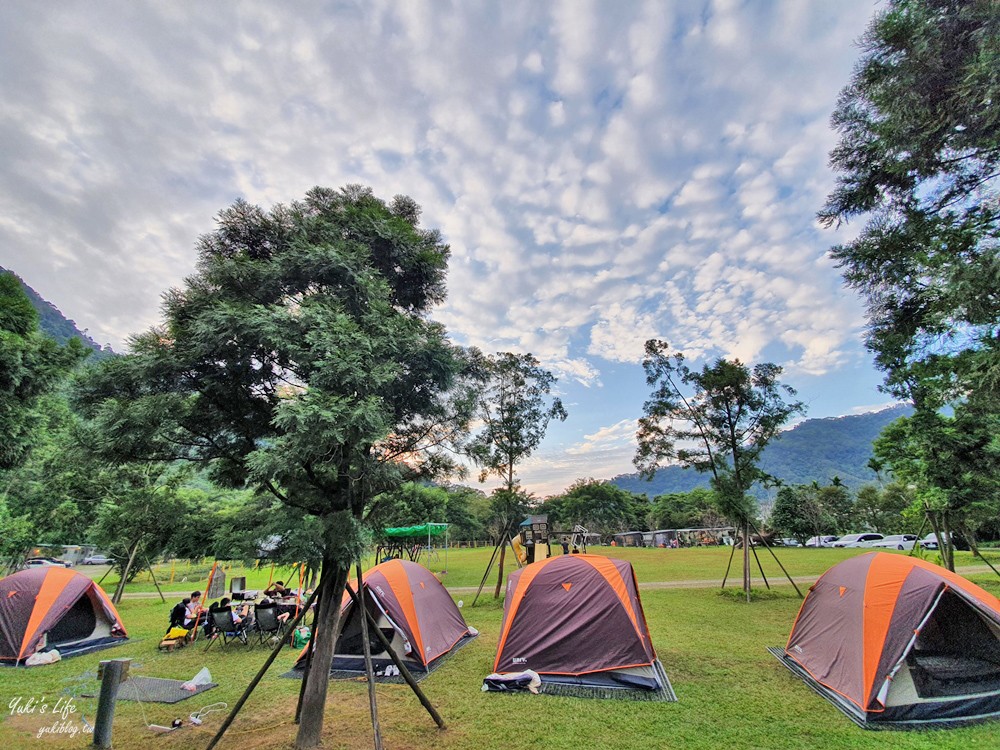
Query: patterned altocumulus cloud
x=605, y=172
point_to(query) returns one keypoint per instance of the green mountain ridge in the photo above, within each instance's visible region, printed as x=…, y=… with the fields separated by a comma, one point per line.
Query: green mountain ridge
x=53, y=323
x=815, y=450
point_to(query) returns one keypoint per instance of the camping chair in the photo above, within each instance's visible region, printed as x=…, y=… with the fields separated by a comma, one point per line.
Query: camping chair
x=268, y=624
x=224, y=627
x=177, y=616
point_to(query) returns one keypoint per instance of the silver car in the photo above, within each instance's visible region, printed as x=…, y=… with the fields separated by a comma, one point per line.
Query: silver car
x=896, y=541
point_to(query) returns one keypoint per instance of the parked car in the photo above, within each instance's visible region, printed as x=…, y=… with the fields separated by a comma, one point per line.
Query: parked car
x=895, y=541
x=42, y=562
x=790, y=542
x=97, y=560
x=857, y=540
x=930, y=542
x=821, y=541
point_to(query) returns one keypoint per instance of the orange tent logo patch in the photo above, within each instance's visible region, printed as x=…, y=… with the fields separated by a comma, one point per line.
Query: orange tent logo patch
x=567, y=585
x=842, y=590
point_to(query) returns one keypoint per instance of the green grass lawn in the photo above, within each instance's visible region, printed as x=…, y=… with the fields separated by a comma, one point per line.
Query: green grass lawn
x=464, y=568
x=731, y=692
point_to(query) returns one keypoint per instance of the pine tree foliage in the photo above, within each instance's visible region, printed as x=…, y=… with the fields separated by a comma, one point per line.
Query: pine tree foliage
x=919, y=159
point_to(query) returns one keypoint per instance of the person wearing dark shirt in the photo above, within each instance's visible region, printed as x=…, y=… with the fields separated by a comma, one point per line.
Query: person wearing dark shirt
x=177, y=614
x=277, y=590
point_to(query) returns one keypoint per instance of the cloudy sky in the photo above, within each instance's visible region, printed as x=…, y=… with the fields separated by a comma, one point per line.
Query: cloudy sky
x=605, y=172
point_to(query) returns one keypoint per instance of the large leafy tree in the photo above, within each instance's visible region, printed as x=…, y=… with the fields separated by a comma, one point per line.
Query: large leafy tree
x=31, y=365
x=919, y=158
x=136, y=517
x=884, y=509
x=716, y=420
x=806, y=510
x=602, y=507
x=799, y=513
x=415, y=503
x=952, y=465
x=685, y=510
x=515, y=405
x=299, y=359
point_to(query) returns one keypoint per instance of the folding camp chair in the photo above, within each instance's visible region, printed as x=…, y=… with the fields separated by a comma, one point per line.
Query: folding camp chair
x=223, y=627
x=268, y=624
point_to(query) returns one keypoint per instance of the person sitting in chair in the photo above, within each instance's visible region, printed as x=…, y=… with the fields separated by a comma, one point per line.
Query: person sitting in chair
x=193, y=611
x=268, y=603
x=240, y=614
x=277, y=589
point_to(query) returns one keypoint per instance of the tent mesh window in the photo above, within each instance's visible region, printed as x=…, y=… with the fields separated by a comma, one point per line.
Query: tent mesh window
x=351, y=640
x=956, y=653
x=78, y=623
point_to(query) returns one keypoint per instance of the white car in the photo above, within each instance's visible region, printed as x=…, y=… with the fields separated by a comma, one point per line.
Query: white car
x=821, y=541
x=895, y=541
x=857, y=540
x=930, y=541
x=97, y=560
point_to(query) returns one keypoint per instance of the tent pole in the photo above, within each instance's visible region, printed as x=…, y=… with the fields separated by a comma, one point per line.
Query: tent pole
x=369, y=670
x=403, y=671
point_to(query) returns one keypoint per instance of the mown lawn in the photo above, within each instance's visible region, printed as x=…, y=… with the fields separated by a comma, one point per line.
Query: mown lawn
x=732, y=692
x=464, y=568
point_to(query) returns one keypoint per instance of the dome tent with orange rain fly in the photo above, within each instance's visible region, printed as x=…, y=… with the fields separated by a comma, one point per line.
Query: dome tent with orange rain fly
x=54, y=608
x=413, y=610
x=577, y=621
x=897, y=642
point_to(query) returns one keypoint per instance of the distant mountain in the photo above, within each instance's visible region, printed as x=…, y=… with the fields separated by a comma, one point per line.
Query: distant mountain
x=57, y=325
x=814, y=450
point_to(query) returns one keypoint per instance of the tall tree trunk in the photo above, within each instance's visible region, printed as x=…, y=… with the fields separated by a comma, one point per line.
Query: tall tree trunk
x=746, y=557
x=332, y=582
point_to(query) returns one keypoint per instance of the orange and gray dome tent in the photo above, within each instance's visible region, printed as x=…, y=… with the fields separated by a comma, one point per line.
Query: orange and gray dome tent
x=54, y=607
x=576, y=620
x=413, y=610
x=897, y=642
